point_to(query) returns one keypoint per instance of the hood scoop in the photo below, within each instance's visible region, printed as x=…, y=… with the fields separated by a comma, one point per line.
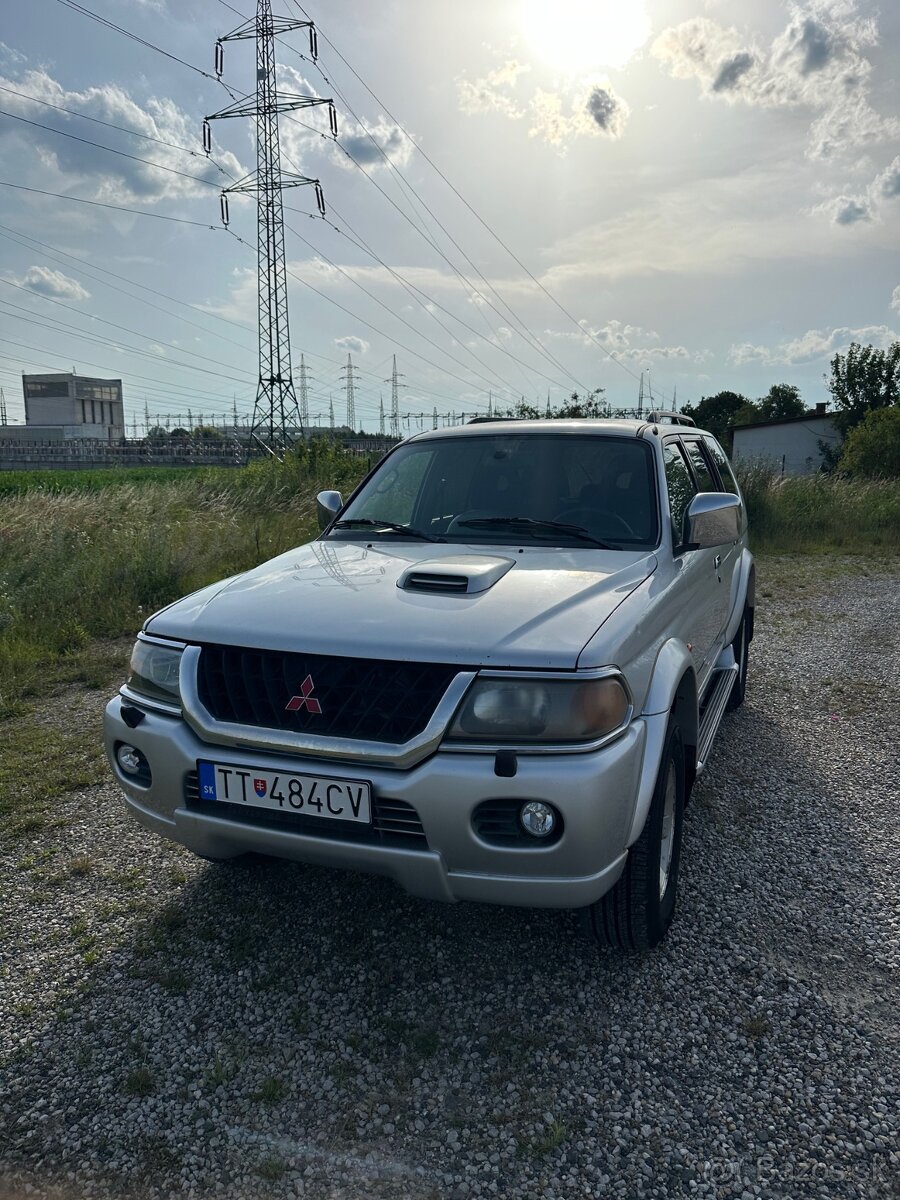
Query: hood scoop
x=463, y=574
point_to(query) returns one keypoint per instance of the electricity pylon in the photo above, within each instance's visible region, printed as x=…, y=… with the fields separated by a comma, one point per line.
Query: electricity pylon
x=395, y=400
x=351, y=393
x=381, y=416
x=304, y=395
x=275, y=411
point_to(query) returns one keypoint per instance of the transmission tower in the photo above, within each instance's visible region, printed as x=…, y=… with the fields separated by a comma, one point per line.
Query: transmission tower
x=3, y=408
x=331, y=412
x=395, y=400
x=381, y=415
x=304, y=394
x=351, y=393
x=275, y=411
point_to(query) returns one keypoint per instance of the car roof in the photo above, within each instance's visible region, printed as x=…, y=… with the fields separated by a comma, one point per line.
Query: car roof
x=599, y=426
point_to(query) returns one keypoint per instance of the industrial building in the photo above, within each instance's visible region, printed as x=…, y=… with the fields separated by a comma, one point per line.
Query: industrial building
x=69, y=407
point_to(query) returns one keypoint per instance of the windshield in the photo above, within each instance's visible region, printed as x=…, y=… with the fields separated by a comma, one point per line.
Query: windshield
x=562, y=489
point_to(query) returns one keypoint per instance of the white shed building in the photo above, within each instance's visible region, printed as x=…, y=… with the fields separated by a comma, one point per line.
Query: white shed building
x=793, y=445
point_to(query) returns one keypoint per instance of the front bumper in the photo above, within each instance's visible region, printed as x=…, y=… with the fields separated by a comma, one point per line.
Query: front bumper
x=595, y=792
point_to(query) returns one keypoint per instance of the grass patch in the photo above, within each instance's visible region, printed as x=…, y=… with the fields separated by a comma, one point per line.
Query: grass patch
x=140, y=1082
x=820, y=513
x=40, y=763
x=271, y=1169
x=85, y=557
x=556, y=1134
x=271, y=1090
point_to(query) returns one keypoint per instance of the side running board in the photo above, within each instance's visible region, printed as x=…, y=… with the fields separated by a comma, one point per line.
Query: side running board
x=722, y=682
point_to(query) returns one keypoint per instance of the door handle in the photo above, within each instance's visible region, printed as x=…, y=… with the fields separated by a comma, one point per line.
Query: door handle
x=718, y=561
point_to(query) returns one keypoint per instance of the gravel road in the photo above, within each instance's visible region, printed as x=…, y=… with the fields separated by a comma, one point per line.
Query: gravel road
x=171, y=1027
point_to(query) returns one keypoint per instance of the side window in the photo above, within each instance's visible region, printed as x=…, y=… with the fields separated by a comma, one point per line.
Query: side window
x=706, y=480
x=396, y=490
x=680, y=485
x=725, y=472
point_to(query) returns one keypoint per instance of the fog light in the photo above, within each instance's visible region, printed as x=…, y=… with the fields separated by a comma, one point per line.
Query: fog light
x=537, y=819
x=129, y=759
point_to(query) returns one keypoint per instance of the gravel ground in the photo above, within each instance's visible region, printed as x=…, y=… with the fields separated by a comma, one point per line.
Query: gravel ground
x=170, y=1027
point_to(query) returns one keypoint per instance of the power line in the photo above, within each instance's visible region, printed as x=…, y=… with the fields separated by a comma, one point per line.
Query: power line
x=105, y=341
x=56, y=255
x=86, y=12
x=155, y=384
x=110, y=149
x=461, y=198
x=19, y=187
x=123, y=328
x=73, y=112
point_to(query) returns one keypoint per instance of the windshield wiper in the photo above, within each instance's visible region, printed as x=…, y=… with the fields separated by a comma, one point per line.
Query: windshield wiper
x=530, y=524
x=370, y=522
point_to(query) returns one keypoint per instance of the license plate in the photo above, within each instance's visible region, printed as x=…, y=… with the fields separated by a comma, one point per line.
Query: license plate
x=309, y=795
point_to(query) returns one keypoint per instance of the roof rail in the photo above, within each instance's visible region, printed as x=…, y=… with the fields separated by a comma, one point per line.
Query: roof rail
x=659, y=416
x=485, y=420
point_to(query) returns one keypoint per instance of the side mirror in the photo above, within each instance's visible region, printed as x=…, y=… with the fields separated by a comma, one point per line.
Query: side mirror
x=328, y=505
x=712, y=519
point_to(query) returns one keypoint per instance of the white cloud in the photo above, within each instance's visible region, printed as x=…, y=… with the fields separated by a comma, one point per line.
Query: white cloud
x=895, y=300
x=627, y=342
x=886, y=186
x=819, y=61
x=555, y=117
x=101, y=175
x=812, y=345
x=847, y=210
x=494, y=91
x=48, y=282
x=354, y=345
x=380, y=143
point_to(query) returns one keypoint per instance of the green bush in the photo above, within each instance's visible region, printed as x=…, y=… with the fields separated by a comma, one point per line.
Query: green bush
x=872, y=449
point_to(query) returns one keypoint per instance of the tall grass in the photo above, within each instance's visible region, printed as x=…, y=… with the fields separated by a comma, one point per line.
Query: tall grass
x=820, y=513
x=85, y=564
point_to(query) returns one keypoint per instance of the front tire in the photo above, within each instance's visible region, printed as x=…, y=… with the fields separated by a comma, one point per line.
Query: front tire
x=636, y=913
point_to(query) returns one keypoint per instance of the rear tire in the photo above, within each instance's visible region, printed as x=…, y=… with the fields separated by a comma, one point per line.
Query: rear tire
x=636, y=913
x=741, y=648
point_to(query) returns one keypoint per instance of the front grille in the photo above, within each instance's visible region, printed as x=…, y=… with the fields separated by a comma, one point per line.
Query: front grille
x=394, y=822
x=331, y=696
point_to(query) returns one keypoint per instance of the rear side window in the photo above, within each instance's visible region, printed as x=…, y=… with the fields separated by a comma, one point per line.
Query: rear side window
x=706, y=481
x=680, y=486
x=726, y=474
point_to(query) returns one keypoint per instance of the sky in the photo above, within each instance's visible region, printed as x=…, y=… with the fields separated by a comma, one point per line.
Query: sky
x=525, y=198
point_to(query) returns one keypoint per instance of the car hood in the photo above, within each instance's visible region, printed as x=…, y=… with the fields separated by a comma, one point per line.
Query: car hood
x=529, y=607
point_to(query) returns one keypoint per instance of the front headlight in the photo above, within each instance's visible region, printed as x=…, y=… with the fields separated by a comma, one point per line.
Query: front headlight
x=545, y=710
x=154, y=671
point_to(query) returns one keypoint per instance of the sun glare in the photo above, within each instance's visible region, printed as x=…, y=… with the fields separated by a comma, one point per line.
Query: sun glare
x=578, y=35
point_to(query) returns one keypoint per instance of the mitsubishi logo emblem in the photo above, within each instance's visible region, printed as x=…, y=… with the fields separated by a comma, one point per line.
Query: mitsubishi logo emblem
x=305, y=699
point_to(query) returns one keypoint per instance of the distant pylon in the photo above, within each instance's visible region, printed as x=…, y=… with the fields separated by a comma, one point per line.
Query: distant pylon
x=395, y=400
x=304, y=394
x=381, y=415
x=3, y=420
x=641, y=396
x=351, y=393
x=549, y=413
x=275, y=412
x=434, y=418
x=331, y=411
x=490, y=411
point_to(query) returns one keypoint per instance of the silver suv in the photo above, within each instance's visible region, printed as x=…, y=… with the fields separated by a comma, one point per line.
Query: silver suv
x=494, y=675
